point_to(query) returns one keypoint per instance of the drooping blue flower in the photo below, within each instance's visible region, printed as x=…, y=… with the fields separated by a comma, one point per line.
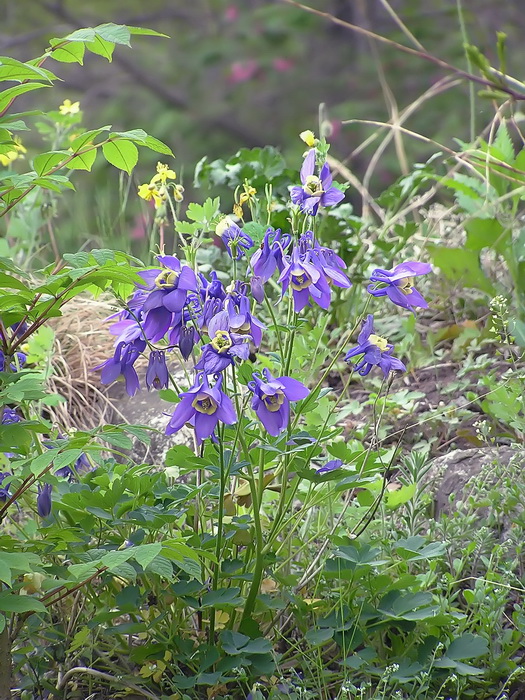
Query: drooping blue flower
x=43, y=500
x=241, y=321
x=269, y=257
x=9, y=415
x=375, y=350
x=157, y=375
x=203, y=406
x=271, y=399
x=5, y=494
x=399, y=284
x=237, y=242
x=257, y=288
x=330, y=466
x=316, y=190
x=122, y=364
x=72, y=471
x=305, y=279
x=224, y=347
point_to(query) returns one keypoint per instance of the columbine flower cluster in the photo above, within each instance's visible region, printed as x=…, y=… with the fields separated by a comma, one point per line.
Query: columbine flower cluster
x=218, y=326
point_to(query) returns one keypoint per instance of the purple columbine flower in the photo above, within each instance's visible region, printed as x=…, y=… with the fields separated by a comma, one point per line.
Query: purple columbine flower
x=271, y=399
x=203, y=407
x=122, y=364
x=269, y=256
x=4, y=489
x=224, y=347
x=400, y=284
x=213, y=288
x=169, y=289
x=316, y=190
x=157, y=375
x=237, y=242
x=43, y=500
x=257, y=288
x=240, y=320
x=304, y=278
x=330, y=466
x=71, y=472
x=375, y=351
x=9, y=415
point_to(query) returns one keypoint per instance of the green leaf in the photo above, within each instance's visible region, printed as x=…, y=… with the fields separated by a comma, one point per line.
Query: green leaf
x=141, y=31
x=460, y=265
x=401, y=496
x=6, y=96
x=80, y=639
x=82, y=35
x=503, y=143
x=316, y=637
x=84, y=161
x=486, y=233
x=68, y=53
x=38, y=464
x=115, y=558
x=102, y=47
x=222, y=597
x=144, y=554
x=11, y=69
x=467, y=646
x=66, y=458
x=12, y=602
x=122, y=154
x=115, y=33
x=155, y=145
x=11, y=282
x=86, y=138
x=45, y=162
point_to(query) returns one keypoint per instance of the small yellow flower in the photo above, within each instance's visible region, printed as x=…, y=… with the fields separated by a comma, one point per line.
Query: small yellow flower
x=68, y=107
x=163, y=173
x=17, y=152
x=237, y=210
x=308, y=137
x=249, y=193
x=150, y=192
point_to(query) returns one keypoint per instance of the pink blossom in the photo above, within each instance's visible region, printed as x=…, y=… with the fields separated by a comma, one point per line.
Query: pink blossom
x=241, y=71
x=282, y=64
x=231, y=13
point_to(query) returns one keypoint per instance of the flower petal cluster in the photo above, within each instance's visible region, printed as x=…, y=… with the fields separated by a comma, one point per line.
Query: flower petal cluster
x=271, y=399
x=375, y=351
x=121, y=364
x=269, y=257
x=310, y=271
x=43, y=500
x=316, y=190
x=237, y=242
x=398, y=284
x=203, y=406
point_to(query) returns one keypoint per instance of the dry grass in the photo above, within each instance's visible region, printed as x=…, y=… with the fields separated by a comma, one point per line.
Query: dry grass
x=82, y=342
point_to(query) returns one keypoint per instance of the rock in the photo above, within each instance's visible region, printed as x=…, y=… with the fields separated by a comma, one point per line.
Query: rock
x=471, y=473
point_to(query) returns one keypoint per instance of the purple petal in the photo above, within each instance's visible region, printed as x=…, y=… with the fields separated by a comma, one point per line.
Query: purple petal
x=297, y=194
x=294, y=390
x=300, y=299
x=326, y=177
x=366, y=330
x=154, y=300
x=308, y=166
x=110, y=371
x=156, y=323
x=132, y=380
x=175, y=300
x=397, y=296
x=331, y=197
x=272, y=421
x=187, y=279
x=181, y=415
x=170, y=261
x=409, y=269
x=205, y=424
x=226, y=411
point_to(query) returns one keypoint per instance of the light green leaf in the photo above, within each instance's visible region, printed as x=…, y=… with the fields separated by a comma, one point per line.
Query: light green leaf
x=11, y=69
x=102, y=47
x=45, y=162
x=402, y=495
x=141, y=31
x=6, y=96
x=86, y=138
x=84, y=161
x=117, y=557
x=155, y=145
x=116, y=33
x=468, y=646
x=69, y=53
x=85, y=34
x=122, y=154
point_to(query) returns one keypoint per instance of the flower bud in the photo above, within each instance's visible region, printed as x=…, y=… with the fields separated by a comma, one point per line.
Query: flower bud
x=43, y=501
x=257, y=287
x=157, y=373
x=186, y=341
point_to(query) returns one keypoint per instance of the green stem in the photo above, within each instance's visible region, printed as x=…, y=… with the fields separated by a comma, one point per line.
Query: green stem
x=220, y=520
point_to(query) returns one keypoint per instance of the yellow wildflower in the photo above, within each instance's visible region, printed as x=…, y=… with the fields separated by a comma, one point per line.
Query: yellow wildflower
x=150, y=192
x=249, y=193
x=308, y=137
x=163, y=173
x=17, y=152
x=68, y=107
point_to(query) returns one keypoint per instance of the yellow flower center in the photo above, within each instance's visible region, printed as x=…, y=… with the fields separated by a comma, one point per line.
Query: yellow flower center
x=381, y=343
x=204, y=404
x=313, y=186
x=406, y=285
x=166, y=280
x=301, y=281
x=273, y=402
x=222, y=341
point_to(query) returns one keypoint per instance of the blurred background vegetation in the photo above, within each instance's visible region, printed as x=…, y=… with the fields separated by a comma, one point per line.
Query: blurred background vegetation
x=246, y=73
